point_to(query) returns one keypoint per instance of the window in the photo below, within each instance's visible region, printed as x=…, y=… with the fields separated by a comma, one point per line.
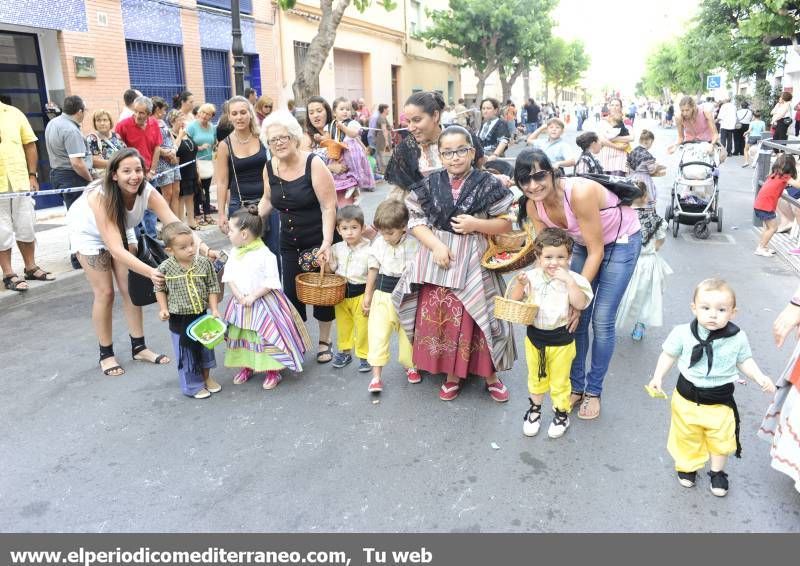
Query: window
x=245, y=6
x=252, y=73
x=155, y=69
x=216, y=77
x=300, y=52
x=415, y=17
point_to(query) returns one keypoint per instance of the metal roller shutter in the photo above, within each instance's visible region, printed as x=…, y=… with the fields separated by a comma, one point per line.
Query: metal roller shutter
x=216, y=77
x=156, y=69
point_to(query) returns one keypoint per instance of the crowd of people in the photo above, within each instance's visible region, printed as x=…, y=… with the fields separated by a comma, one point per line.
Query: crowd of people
x=288, y=201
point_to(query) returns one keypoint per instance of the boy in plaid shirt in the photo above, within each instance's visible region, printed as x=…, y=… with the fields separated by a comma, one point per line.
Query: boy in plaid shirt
x=190, y=287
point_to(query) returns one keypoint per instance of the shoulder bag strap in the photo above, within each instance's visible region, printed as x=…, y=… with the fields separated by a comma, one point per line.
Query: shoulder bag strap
x=233, y=169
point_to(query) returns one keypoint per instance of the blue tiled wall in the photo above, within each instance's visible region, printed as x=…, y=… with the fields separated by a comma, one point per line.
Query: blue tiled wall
x=215, y=32
x=67, y=15
x=155, y=22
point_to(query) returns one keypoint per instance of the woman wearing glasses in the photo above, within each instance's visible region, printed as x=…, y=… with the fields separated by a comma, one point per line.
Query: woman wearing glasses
x=239, y=166
x=445, y=298
x=607, y=244
x=299, y=186
x=263, y=108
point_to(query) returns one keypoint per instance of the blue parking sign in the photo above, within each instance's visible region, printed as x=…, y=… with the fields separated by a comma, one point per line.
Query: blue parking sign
x=713, y=82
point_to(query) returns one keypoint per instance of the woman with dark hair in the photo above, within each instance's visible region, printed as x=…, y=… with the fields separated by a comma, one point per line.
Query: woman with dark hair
x=184, y=102
x=614, y=139
x=101, y=230
x=494, y=134
x=418, y=154
x=168, y=184
x=782, y=116
x=607, y=244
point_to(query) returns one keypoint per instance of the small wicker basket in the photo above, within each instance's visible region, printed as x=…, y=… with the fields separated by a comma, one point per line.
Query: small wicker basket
x=517, y=312
x=521, y=257
x=514, y=240
x=335, y=148
x=320, y=289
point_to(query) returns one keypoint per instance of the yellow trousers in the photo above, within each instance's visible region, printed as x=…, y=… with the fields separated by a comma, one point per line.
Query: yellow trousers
x=558, y=362
x=696, y=431
x=351, y=326
x=383, y=322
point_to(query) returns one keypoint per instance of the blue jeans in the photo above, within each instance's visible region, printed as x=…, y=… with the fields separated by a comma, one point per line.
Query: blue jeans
x=619, y=261
x=67, y=178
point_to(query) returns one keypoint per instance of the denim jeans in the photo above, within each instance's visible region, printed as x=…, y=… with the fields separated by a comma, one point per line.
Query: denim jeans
x=67, y=178
x=619, y=261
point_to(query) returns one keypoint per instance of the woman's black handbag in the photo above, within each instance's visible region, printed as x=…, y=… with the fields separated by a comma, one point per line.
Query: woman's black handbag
x=140, y=288
x=626, y=190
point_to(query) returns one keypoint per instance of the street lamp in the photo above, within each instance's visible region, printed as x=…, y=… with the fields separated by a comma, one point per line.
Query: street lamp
x=236, y=49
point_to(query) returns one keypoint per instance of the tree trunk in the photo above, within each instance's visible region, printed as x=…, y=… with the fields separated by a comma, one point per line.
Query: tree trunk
x=508, y=82
x=506, y=88
x=526, y=84
x=482, y=75
x=306, y=83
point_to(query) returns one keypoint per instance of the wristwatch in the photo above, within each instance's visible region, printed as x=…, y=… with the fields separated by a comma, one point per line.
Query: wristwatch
x=33, y=174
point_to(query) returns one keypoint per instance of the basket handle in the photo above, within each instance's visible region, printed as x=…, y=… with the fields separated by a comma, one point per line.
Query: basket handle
x=321, y=273
x=528, y=289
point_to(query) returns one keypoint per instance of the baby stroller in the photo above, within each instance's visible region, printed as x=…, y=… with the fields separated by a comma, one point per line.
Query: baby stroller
x=695, y=192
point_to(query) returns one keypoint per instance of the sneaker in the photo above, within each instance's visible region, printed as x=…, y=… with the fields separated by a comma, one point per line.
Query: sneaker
x=764, y=252
x=375, y=386
x=719, y=483
x=272, y=380
x=559, y=425
x=498, y=391
x=363, y=366
x=532, y=419
x=213, y=386
x=687, y=479
x=242, y=377
x=638, y=332
x=413, y=375
x=202, y=394
x=449, y=391
x=341, y=359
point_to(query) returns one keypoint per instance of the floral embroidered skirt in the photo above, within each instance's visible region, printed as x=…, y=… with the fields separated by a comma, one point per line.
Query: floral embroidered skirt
x=447, y=339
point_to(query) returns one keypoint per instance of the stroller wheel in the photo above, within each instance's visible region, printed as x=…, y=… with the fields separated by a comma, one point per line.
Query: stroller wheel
x=675, y=226
x=701, y=230
x=719, y=220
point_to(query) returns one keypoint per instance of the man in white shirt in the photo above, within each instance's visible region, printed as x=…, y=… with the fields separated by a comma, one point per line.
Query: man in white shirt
x=727, y=124
x=129, y=96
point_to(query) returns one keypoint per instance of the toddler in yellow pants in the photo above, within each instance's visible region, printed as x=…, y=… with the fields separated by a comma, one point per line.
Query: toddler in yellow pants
x=349, y=258
x=389, y=253
x=709, y=351
x=549, y=346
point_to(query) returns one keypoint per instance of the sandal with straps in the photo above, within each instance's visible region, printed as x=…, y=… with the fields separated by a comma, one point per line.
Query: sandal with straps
x=36, y=273
x=13, y=282
x=325, y=352
x=590, y=407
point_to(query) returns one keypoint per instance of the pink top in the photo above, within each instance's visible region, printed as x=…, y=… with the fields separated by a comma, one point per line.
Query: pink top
x=615, y=221
x=698, y=129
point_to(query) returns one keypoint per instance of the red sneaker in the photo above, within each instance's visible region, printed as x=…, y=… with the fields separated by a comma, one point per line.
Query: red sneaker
x=449, y=391
x=413, y=375
x=375, y=386
x=498, y=391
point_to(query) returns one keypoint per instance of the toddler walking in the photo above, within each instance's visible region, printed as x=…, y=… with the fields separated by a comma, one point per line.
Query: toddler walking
x=265, y=331
x=190, y=287
x=708, y=351
x=388, y=255
x=549, y=346
x=783, y=174
x=350, y=259
x=642, y=304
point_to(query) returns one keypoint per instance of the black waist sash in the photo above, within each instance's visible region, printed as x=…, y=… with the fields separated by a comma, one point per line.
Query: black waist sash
x=386, y=283
x=721, y=395
x=542, y=338
x=354, y=290
x=190, y=350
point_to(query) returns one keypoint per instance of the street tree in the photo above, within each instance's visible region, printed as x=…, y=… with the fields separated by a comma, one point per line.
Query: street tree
x=563, y=62
x=768, y=20
x=306, y=82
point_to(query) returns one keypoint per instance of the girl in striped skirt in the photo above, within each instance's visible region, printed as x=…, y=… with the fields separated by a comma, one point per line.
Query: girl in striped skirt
x=445, y=298
x=265, y=331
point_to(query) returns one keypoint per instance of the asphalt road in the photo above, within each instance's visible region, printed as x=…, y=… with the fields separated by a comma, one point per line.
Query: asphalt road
x=85, y=452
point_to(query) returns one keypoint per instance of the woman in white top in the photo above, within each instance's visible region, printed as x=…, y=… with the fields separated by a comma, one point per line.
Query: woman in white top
x=614, y=139
x=100, y=221
x=782, y=116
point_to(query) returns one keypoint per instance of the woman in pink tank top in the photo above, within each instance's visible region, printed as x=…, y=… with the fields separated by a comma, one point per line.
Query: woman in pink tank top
x=693, y=124
x=607, y=244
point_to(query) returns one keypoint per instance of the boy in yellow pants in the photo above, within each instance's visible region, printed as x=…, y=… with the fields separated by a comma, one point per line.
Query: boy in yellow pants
x=389, y=253
x=710, y=352
x=349, y=258
x=550, y=347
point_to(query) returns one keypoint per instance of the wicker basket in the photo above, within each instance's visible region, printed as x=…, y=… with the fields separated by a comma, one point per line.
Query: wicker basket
x=521, y=257
x=517, y=312
x=320, y=289
x=335, y=148
x=512, y=241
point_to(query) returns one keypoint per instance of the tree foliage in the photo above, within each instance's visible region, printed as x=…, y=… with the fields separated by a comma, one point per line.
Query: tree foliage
x=563, y=63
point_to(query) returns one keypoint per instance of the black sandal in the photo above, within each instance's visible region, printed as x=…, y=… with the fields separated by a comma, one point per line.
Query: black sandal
x=30, y=274
x=326, y=352
x=13, y=282
x=138, y=346
x=113, y=371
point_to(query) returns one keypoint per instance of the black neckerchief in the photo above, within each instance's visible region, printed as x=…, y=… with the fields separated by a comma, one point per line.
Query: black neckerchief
x=727, y=331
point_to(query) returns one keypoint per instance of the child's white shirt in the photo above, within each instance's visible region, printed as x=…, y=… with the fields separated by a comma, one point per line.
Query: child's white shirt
x=552, y=297
x=391, y=260
x=351, y=263
x=252, y=271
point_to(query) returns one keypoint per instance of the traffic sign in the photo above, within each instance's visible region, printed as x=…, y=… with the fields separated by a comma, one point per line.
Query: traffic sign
x=713, y=82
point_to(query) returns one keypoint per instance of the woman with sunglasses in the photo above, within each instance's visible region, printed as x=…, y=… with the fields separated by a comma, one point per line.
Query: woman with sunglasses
x=445, y=298
x=263, y=108
x=607, y=244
